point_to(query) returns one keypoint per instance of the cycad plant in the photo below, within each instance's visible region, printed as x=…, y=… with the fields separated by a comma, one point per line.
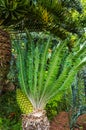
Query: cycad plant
x=41, y=80
x=60, y=17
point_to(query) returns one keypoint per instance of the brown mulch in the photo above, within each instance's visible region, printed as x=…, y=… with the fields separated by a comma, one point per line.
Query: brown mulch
x=61, y=122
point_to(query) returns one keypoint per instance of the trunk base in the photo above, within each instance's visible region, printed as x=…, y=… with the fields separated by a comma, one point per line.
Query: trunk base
x=35, y=121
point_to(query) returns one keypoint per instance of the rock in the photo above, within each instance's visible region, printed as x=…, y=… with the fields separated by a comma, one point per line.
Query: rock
x=81, y=121
x=60, y=122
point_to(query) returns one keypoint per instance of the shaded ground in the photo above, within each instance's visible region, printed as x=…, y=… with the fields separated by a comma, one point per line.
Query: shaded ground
x=61, y=122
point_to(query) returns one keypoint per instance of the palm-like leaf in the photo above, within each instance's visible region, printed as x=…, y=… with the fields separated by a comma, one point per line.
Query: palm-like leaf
x=39, y=86
x=54, y=16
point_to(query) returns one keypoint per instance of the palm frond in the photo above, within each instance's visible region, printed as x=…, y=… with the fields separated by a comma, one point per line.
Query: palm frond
x=29, y=63
x=63, y=86
x=21, y=66
x=71, y=66
x=54, y=66
x=39, y=86
x=43, y=62
x=36, y=70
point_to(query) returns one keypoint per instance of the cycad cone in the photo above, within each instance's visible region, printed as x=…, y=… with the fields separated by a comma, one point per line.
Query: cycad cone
x=23, y=102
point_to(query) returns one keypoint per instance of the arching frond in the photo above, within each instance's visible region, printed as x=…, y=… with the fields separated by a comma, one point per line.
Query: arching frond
x=42, y=80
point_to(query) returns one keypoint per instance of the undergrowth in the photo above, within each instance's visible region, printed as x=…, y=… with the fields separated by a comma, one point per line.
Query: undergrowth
x=10, y=114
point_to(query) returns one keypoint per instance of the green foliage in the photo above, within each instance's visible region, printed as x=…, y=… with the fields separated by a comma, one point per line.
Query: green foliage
x=32, y=64
x=83, y=15
x=13, y=10
x=9, y=112
x=75, y=4
x=58, y=104
x=8, y=125
x=58, y=16
x=72, y=100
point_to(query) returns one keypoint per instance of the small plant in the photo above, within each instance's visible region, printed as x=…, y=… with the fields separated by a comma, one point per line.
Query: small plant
x=41, y=81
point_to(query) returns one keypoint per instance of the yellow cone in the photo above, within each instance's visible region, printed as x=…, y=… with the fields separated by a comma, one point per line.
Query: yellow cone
x=23, y=102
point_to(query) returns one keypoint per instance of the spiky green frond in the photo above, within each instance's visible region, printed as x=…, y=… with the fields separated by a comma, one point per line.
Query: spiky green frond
x=60, y=87
x=55, y=64
x=40, y=86
x=43, y=63
x=21, y=66
x=70, y=69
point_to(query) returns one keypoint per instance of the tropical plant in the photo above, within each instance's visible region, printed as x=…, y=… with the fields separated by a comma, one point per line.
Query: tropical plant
x=58, y=17
x=41, y=81
x=39, y=15
x=5, y=56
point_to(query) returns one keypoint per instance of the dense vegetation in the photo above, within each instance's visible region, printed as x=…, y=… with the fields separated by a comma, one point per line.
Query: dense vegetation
x=48, y=57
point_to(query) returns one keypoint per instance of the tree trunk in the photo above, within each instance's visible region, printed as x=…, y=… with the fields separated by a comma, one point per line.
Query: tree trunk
x=35, y=121
x=5, y=56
